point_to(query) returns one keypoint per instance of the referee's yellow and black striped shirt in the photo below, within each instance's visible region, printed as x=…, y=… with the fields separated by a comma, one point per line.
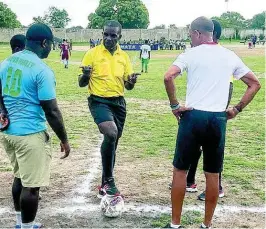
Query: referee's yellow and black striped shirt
x=109, y=71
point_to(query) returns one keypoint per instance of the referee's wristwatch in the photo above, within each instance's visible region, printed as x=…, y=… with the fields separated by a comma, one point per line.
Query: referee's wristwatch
x=175, y=106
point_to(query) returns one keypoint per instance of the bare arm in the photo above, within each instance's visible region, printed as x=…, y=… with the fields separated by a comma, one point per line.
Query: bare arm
x=169, y=77
x=2, y=105
x=132, y=80
x=3, y=112
x=253, y=87
x=84, y=78
x=129, y=86
x=54, y=118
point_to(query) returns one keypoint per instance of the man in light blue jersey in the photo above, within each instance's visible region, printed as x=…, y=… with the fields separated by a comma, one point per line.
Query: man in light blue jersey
x=27, y=100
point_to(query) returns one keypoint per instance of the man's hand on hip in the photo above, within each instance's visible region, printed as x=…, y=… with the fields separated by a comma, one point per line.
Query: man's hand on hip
x=231, y=112
x=180, y=111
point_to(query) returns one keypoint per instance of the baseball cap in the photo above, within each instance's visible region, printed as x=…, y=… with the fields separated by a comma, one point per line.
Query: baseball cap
x=39, y=32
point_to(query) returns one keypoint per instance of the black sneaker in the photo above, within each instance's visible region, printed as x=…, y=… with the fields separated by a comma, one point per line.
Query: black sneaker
x=110, y=189
x=169, y=226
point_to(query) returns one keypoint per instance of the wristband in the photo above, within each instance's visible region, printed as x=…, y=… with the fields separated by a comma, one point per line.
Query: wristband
x=238, y=109
x=174, y=106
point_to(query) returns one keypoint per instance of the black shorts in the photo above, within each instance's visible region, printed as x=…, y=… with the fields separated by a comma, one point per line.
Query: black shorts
x=201, y=128
x=108, y=109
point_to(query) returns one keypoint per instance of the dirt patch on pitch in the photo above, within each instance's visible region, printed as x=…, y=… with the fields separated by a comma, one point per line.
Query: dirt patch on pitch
x=245, y=52
x=240, y=50
x=161, y=56
x=70, y=200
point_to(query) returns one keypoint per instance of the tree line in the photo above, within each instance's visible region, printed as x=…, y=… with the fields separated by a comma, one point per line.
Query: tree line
x=131, y=15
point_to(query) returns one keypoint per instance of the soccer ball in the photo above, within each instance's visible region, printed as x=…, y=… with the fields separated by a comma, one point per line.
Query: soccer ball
x=112, y=206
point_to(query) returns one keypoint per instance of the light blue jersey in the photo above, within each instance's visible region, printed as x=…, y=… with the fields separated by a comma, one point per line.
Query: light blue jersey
x=26, y=80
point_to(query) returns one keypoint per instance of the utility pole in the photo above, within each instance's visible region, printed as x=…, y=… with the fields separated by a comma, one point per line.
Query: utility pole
x=227, y=5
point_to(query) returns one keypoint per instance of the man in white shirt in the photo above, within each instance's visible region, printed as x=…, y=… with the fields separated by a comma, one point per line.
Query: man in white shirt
x=203, y=119
x=145, y=56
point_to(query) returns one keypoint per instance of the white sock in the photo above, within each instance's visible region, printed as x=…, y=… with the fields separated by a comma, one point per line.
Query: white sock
x=18, y=216
x=174, y=225
x=26, y=225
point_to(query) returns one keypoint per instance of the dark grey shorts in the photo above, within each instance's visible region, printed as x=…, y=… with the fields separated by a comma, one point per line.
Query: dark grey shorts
x=108, y=109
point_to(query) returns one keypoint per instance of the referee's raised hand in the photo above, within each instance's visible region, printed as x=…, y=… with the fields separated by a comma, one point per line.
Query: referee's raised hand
x=133, y=78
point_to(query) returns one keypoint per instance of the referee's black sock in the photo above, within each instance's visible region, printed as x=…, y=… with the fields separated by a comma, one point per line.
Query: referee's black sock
x=108, y=154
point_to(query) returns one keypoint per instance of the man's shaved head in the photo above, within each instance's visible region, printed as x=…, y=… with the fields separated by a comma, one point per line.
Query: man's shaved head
x=113, y=23
x=201, y=31
x=202, y=24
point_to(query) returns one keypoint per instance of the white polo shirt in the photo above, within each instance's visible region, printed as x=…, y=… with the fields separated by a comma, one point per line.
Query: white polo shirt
x=209, y=68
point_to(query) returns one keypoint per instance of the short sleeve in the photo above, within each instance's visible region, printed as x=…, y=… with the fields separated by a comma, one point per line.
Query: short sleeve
x=86, y=61
x=240, y=68
x=46, y=85
x=182, y=62
x=128, y=68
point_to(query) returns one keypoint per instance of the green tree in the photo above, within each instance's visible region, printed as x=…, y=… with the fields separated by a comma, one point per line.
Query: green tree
x=57, y=18
x=39, y=19
x=131, y=14
x=232, y=20
x=54, y=17
x=258, y=21
x=8, y=19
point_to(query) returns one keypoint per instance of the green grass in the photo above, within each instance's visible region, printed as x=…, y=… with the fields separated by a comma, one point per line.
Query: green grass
x=151, y=129
x=189, y=218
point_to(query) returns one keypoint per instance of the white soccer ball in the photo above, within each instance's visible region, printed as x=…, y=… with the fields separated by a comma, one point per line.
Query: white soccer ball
x=112, y=206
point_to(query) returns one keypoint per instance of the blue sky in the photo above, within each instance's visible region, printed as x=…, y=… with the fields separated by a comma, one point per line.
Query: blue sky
x=179, y=12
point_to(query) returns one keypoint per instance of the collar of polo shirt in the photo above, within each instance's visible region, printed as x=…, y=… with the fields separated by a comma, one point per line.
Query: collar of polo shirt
x=117, y=51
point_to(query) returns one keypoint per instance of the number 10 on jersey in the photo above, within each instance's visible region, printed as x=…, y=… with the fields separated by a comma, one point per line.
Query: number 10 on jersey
x=13, y=82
